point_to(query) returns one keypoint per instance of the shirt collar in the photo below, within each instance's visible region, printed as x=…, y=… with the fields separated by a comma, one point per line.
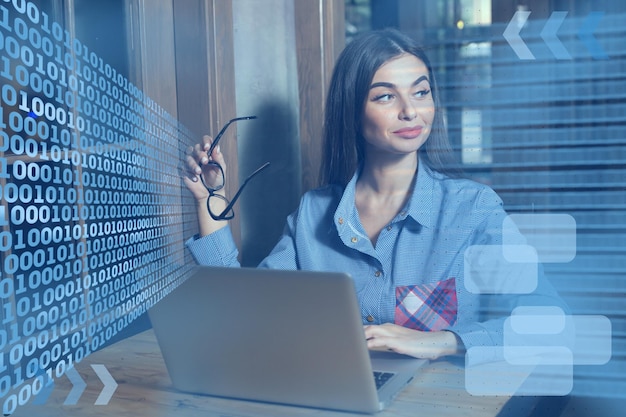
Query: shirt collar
x=424, y=199
x=420, y=206
x=346, y=209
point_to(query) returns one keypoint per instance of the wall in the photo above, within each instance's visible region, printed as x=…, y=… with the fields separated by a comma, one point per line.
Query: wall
x=266, y=86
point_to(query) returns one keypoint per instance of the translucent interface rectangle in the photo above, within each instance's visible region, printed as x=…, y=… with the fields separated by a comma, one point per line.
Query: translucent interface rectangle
x=486, y=271
x=588, y=337
x=553, y=235
x=592, y=345
x=537, y=320
x=533, y=378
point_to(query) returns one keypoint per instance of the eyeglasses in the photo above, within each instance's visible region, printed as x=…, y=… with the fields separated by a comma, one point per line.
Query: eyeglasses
x=228, y=212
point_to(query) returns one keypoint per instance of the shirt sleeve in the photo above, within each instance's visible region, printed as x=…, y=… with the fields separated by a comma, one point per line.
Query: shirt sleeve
x=496, y=308
x=216, y=249
x=284, y=254
x=219, y=249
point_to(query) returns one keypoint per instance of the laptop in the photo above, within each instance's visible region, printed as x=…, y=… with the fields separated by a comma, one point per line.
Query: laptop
x=290, y=337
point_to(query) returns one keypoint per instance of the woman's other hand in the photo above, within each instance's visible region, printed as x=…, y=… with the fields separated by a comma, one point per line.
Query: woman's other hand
x=423, y=345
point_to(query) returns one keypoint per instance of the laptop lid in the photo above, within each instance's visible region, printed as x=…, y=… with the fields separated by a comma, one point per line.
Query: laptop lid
x=293, y=337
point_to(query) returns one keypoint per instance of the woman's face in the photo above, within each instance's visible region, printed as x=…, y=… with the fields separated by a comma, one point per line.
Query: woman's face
x=399, y=108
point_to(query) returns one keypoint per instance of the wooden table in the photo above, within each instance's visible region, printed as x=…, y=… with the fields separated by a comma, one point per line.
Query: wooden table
x=144, y=389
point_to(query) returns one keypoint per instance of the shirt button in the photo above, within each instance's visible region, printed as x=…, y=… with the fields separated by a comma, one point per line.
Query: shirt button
x=340, y=220
x=377, y=274
x=389, y=228
x=370, y=319
x=354, y=239
x=403, y=213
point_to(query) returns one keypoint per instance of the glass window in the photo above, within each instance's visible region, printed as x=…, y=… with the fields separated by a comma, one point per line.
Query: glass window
x=535, y=100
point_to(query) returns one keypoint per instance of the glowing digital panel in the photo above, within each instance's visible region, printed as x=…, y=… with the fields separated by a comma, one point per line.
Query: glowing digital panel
x=90, y=202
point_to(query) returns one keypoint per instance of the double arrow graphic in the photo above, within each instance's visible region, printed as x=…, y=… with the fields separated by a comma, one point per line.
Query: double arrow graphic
x=550, y=37
x=78, y=386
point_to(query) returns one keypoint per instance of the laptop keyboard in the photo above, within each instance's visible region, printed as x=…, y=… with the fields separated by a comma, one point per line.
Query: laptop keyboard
x=381, y=378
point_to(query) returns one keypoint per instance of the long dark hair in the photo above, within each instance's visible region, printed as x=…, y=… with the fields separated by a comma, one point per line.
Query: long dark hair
x=343, y=145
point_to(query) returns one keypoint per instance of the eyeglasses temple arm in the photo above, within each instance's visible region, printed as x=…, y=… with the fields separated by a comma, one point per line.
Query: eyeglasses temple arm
x=236, y=196
x=221, y=133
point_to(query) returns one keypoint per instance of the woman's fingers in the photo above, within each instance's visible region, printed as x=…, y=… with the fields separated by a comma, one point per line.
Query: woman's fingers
x=216, y=154
x=197, y=189
x=193, y=169
x=399, y=339
x=426, y=345
x=198, y=164
x=386, y=329
x=197, y=157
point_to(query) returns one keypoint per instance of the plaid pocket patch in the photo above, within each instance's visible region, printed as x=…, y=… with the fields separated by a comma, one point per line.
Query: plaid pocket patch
x=427, y=307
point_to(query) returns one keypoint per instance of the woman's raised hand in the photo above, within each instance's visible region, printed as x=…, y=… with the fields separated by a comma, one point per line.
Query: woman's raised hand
x=197, y=163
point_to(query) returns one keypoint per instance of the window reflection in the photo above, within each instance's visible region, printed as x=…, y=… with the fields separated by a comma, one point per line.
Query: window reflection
x=546, y=132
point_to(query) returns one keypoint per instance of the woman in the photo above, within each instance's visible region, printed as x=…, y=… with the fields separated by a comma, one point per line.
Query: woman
x=390, y=213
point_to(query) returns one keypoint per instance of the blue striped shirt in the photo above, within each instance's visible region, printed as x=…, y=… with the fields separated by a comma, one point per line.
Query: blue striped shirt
x=425, y=243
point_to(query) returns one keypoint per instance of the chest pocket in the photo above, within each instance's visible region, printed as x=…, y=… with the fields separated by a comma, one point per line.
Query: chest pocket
x=426, y=307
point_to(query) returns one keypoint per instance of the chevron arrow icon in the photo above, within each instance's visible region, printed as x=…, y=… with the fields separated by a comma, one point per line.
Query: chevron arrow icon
x=512, y=36
x=78, y=386
x=109, y=384
x=549, y=35
x=585, y=34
